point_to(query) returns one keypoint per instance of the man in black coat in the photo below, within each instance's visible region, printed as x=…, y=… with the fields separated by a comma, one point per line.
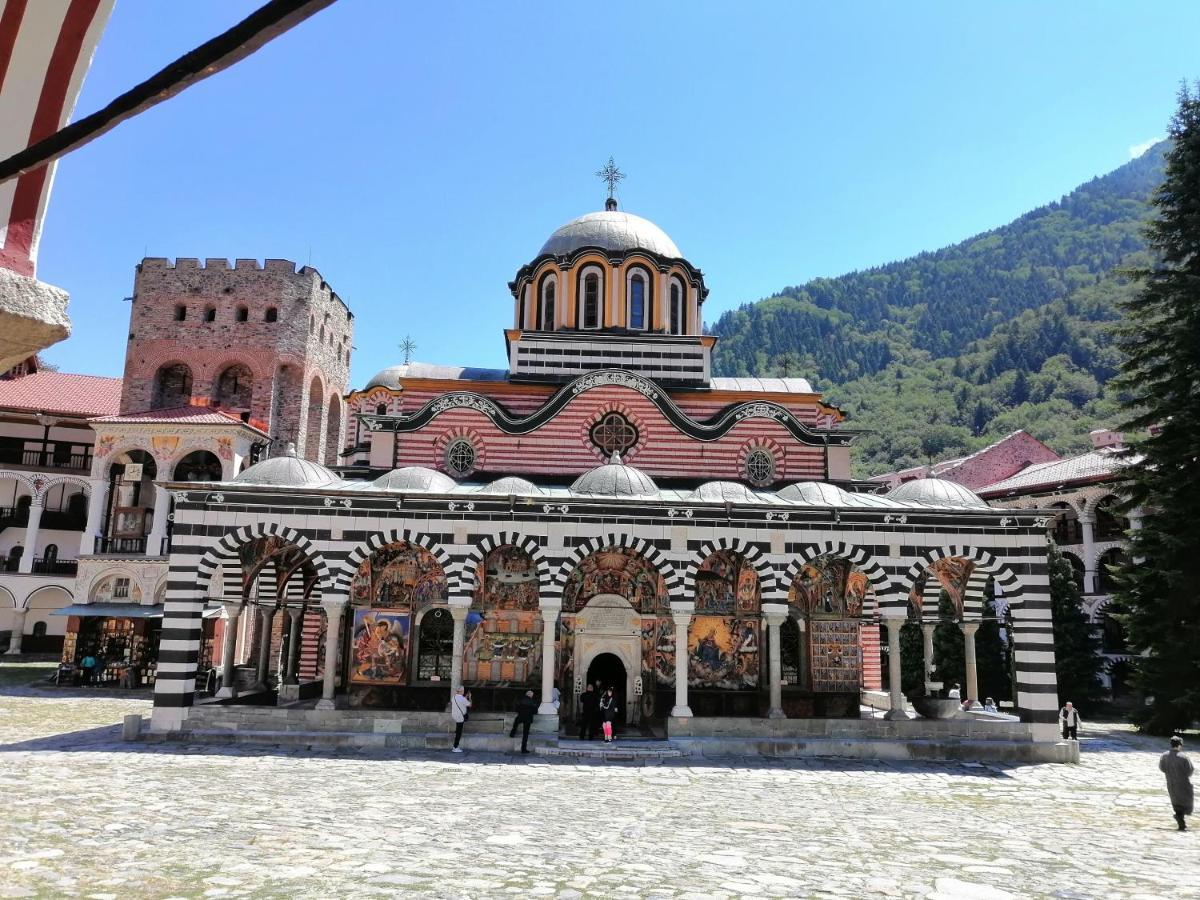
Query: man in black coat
x=589, y=713
x=527, y=708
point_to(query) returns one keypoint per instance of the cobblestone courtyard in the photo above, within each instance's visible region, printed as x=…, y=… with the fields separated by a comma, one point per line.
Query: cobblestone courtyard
x=87, y=815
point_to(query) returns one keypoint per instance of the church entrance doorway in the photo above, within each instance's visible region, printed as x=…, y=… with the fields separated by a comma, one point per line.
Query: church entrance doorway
x=609, y=671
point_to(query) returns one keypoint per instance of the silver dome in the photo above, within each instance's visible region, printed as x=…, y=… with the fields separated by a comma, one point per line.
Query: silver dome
x=818, y=493
x=390, y=377
x=415, y=478
x=510, y=484
x=724, y=492
x=615, y=479
x=287, y=470
x=936, y=491
x=611, y=230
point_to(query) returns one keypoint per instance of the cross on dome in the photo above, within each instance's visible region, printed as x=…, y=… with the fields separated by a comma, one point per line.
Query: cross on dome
x=612, y=175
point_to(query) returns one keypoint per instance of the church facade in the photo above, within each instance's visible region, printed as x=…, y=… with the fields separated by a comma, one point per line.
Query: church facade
x=604, y=509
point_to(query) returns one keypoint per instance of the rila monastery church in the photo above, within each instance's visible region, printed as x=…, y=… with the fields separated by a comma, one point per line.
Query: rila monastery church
x=235, y=524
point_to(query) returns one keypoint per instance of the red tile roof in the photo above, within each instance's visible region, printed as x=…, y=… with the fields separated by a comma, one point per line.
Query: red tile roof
x=181, y=415
x=62, y=393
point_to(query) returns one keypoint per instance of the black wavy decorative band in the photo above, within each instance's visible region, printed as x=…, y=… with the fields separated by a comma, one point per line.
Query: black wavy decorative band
x=710, y=430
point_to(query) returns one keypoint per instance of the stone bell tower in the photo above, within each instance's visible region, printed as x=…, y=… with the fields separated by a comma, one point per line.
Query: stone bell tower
x=268, y=342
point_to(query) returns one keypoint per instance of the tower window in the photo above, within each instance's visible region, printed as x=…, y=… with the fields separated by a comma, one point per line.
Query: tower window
x=381, y=409
x=272, y=314
x=460, y=458
x=180, y=313
x=676, y=309
x=210, y=314
x=614, y=434
x=243, y=314
x=637, y=302
x=591, y=301
x=547, y=308
x=760, y=467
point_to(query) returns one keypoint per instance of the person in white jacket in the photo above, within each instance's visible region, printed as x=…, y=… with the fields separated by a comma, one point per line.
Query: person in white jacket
x=460, y=707
x=1068, y=716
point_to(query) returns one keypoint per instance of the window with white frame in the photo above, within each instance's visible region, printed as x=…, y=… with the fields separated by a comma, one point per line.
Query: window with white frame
x=591, y=300
x=637, y=302
x=547, y=306
x=676, y=308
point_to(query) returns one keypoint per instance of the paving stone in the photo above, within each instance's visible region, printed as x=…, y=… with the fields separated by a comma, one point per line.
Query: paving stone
x=88, y=815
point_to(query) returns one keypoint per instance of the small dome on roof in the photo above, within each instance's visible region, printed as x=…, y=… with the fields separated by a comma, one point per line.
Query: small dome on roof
x=615, y=479
x=510, y=484
x=287, y=470
x=610, y=230
x=415, y=478
x=936, y=491
x=818, y=493
x=724, y=492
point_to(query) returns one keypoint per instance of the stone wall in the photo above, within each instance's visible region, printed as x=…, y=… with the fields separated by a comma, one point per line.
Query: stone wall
x=287, y=327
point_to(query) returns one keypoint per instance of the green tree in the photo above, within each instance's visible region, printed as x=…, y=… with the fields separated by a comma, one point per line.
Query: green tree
x=912, y=678
x=949, y=655
x=992, y=653
x=1076, y=649
x=1160, y=381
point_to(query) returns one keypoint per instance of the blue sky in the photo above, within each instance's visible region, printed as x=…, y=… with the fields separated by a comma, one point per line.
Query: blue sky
x=419, y=154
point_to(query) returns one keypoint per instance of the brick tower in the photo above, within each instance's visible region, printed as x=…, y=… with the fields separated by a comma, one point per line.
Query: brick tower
x=267, y=342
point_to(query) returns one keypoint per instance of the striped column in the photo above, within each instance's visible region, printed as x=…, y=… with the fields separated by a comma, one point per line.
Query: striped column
x=1033, y=653
x=178, y=649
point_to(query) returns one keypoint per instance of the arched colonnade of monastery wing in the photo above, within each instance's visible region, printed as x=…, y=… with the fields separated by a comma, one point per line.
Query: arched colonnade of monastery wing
x=283, y=547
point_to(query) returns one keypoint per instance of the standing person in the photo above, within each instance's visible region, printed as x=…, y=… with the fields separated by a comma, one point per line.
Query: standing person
x=589, y=713
x=1178, y=769
x=526, y=707
x=608, y=711
x=87, y=665
x=1069, y=717
x=460, y=710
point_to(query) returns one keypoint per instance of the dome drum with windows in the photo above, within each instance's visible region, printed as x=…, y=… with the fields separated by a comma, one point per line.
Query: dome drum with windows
x=614, y=279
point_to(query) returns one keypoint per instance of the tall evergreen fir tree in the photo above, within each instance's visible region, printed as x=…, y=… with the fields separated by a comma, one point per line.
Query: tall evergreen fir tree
x=1076, y=651
x=992, y=652
x=1159, y=591
x=949, y=653
x=912, y=661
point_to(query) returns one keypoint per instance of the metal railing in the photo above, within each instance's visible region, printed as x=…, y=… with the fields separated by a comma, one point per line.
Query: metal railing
x=121, y=546
x=13, y=515
x=45, y=459
x=55, y=566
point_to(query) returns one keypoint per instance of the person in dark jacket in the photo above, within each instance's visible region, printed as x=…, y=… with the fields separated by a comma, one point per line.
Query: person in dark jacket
x=1178, y=769
x=608, y=712
x=527, y=707
x=589, y=714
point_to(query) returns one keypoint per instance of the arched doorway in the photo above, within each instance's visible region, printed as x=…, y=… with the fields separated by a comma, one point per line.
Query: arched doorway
x=608, y=670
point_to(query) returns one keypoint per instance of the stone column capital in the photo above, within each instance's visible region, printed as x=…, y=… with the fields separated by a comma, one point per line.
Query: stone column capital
x=774, y=613
x=550, y=603
x=459, y=602
x=459, y=613
x=231, y=609
x=681, y=612
x=335, y=605
x=969, y=628
x=294, y=612
x=550, y=615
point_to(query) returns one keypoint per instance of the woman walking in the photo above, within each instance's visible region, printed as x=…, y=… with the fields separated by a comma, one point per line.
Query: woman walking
x=460, y=706
x=608, y=712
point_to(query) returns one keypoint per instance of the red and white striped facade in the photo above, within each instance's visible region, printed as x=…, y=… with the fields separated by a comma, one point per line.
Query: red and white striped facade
x=46, y=48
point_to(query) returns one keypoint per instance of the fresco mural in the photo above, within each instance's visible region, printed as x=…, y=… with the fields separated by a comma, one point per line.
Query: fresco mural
x=835, y=655
x=664, y=652
x=618, y=571
x=503, y=649
x=379, y=647
x=830, y=586
x=399, y=576
x=953, y=573
x=508, y=580
x=255, y=555
x=726, y=585
x=723, y=652
x=565, y=672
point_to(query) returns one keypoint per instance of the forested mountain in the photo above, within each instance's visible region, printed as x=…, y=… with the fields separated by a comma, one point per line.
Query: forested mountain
x=944, y=352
